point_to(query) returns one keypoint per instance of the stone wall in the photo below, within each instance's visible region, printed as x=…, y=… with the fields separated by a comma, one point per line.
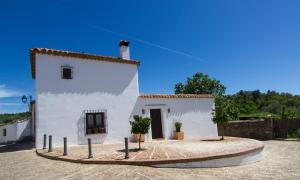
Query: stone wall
x=255, y=129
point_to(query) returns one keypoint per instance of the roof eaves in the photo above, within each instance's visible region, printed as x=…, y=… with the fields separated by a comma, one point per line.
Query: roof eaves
x=172, y=96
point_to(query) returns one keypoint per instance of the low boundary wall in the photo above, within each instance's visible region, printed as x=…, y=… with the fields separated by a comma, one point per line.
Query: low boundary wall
x=256, y=129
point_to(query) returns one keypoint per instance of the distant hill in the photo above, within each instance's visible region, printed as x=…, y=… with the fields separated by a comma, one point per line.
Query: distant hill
x=256, y=103
x=11, y=118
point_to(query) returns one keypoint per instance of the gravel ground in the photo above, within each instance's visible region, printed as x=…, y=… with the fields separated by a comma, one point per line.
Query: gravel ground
x=20, y=162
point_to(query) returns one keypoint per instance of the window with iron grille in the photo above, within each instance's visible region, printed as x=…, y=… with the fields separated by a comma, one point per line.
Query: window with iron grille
x=66, y=72
x=95, y=123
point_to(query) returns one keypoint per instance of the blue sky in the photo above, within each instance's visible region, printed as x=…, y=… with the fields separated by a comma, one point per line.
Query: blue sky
x=245, y=44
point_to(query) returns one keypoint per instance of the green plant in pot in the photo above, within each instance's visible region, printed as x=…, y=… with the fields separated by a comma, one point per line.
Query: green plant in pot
x=178, y=126
x=140, y=125
x=178, y=134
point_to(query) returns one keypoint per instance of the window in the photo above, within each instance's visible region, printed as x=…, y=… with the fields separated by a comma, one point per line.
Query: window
x=66, y=72
x=4, y=132
x=95, y=123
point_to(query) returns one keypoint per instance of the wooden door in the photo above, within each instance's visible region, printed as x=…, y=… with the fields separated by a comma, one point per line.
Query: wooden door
x=156, y=125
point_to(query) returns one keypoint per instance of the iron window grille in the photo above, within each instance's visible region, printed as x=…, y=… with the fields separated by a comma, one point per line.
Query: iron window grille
x=66, y=72
x=95, y=122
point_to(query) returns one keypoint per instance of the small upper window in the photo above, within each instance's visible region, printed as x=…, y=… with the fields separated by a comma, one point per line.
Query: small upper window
x=66, y=72
x=4, y=132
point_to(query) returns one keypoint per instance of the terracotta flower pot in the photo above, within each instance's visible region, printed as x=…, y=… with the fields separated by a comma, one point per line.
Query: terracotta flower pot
x=135, y=137
x=95, y=130
x=101, y=130
x=89, y=131
x=178, y=135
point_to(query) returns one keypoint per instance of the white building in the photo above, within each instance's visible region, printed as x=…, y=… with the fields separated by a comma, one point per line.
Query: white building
x=17, y=131
x=82, y=96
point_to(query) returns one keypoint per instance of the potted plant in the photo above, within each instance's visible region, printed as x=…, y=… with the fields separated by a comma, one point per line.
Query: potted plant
x=101, y=130
x=178, y=134
x=139, y=127
x=95, y=130
x=137, y=137
x=89, y=131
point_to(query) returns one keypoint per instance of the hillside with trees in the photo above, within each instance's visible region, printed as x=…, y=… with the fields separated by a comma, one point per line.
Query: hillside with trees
x=244, y=104
x=257, y=104
x=11, y=118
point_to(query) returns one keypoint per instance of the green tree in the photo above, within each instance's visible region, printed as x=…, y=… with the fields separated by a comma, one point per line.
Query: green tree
x=288, y=113
x=233, y=110
x=200, y=84
x=224, y=112
x=140, y=125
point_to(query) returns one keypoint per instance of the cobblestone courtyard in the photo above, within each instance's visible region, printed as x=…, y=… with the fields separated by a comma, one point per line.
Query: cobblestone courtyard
x=20, y=162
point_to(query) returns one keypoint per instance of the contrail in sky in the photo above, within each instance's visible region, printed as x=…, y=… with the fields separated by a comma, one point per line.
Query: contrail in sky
x=134, y=38
x=145, y=42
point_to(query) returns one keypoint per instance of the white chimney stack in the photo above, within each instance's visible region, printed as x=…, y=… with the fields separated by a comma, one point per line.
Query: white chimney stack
x=124, y=49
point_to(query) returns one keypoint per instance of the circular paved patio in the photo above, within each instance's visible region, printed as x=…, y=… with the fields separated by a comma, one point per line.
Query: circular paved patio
x=159, y=152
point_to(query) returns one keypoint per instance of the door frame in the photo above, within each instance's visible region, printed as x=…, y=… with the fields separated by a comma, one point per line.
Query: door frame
x=164, y=115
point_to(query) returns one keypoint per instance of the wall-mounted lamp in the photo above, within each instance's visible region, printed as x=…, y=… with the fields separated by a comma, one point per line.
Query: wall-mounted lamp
x=169, y=110
x=143, y=111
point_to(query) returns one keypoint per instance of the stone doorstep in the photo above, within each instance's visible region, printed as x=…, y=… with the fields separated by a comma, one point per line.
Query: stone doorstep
x=53, y=156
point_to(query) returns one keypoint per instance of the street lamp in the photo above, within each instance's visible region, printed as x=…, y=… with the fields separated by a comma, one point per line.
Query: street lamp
x=24, y=99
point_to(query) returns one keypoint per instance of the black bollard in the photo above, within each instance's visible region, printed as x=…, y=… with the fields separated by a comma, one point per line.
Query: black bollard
x=90, y=148
x=45, y=141
x=65, y=146
x=50, y=144
x=126, y=148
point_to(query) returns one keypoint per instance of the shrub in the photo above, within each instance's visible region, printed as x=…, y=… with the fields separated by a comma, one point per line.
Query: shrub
x=295, y=133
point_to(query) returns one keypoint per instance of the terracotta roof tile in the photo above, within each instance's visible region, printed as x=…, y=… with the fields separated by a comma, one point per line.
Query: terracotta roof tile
x=55, y=52
x=169, y=96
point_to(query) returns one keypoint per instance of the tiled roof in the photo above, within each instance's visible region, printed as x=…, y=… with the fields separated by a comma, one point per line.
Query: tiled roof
x=54, y=52
x=169, y=96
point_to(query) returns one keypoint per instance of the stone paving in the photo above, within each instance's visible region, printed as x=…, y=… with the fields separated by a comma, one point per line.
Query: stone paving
x=159, y=151
x=21, y=162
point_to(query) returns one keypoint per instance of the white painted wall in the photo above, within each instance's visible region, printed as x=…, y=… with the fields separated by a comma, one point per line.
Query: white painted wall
x=194, y=113
x=11, y=132
x=23, y=129
x=60, y=103
x=16, y=131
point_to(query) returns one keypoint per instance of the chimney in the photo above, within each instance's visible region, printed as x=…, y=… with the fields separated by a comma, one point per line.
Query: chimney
x=124, y=49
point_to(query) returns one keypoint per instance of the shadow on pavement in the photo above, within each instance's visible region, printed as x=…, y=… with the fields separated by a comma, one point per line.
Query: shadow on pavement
x=17, y=146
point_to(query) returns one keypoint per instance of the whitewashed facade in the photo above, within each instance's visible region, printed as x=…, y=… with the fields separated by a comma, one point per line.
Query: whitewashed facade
x=107, y=89
x=15, y=132
x=194, y=113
